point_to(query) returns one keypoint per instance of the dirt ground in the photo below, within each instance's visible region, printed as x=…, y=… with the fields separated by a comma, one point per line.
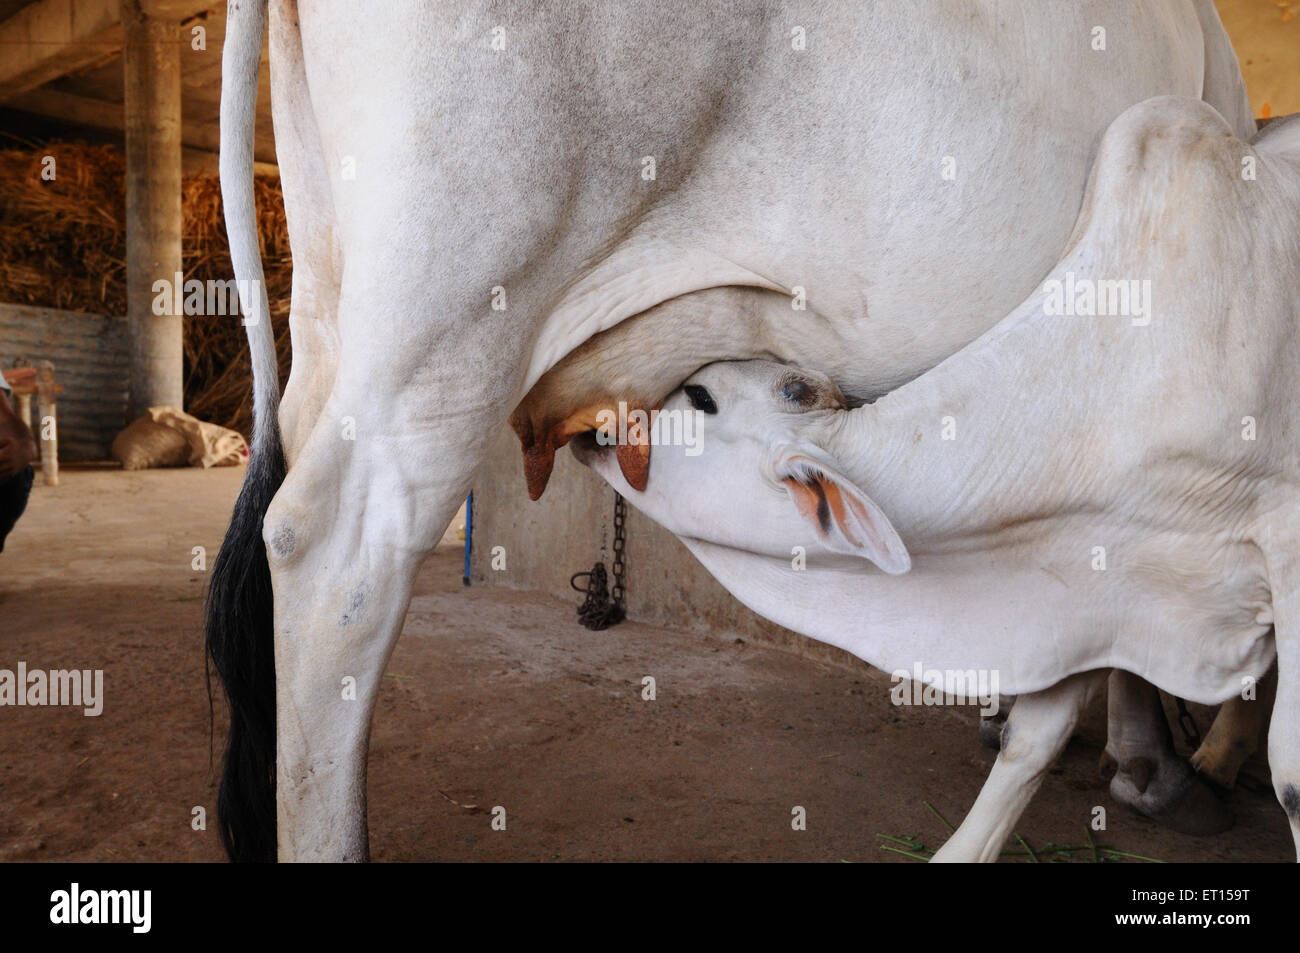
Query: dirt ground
x=1266, y=37
x=493, y=697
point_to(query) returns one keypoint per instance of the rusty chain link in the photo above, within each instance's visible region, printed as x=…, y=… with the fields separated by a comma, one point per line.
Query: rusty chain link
x=603, y=607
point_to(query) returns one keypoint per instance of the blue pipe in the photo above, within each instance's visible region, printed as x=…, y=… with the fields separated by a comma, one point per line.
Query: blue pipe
x=469, y=535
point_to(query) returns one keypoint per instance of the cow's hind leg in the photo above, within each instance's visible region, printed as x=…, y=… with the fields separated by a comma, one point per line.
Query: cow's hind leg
x=1150, y=777
x=389, y=459
x=1036, y=732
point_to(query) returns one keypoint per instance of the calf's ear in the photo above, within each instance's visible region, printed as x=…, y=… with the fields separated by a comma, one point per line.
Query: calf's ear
x=844, y=517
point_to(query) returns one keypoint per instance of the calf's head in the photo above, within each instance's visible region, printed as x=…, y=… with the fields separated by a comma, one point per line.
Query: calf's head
x=756, y=477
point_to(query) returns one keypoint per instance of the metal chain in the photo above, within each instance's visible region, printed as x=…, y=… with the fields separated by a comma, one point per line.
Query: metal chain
x=1191, y=734
x=603, y=607
x=620, y=540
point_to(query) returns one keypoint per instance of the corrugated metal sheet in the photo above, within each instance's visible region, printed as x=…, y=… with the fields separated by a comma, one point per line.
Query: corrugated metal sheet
x=91, y=361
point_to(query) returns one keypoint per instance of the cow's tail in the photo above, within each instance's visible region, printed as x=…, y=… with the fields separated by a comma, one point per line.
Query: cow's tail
x=238, y=613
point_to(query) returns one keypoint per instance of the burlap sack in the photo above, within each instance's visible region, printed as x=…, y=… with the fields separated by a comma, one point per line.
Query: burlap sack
x=168, y=437
x=146, y=444
x=211, y=445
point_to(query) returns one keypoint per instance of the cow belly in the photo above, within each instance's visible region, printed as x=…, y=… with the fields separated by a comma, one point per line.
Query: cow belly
x=906, y=176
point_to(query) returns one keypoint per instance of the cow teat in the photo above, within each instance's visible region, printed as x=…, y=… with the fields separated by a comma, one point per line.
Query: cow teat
x=539, y=445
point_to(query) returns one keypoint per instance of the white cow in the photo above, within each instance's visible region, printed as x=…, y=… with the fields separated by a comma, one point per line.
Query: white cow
x=473, y=193
x=1077, y=490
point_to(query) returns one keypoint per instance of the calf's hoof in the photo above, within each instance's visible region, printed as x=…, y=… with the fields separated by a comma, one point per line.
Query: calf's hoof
x=991, y=725
x=1220, y=765
x=1171, y=794
x=991, y=731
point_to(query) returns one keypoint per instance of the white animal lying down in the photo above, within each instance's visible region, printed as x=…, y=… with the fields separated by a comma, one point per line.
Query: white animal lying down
x=989, y=490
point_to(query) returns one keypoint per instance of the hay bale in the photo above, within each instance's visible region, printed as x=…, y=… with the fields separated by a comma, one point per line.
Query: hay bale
x=63, y=242
x=63, y=245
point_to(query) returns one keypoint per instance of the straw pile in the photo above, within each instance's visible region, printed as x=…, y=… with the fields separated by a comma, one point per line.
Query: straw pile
x=218, y=382
x=63, y=245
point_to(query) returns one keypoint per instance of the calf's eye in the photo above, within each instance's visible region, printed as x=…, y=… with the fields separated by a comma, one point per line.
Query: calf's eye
x=700, y=398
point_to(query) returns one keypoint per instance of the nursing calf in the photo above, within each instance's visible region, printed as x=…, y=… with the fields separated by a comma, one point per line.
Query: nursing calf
x=1107, y=479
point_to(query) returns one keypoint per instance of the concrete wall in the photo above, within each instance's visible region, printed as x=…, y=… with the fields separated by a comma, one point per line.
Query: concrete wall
x=546, y=542
x=90, y=355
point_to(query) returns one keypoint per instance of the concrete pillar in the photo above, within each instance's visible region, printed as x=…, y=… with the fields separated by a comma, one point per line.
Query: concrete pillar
x=152, y=80
x=48, y=431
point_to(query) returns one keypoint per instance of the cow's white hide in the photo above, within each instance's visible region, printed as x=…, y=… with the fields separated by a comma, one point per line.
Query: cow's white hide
x=899, y=214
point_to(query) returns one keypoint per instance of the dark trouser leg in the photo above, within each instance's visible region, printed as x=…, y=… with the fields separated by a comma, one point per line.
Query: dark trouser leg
x=13, y=500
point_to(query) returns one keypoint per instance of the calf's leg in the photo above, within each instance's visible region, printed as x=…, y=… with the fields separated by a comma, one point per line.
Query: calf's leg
x=1284, y=736
x=1284, y=725
x=1235, y=734
x=1036, y=732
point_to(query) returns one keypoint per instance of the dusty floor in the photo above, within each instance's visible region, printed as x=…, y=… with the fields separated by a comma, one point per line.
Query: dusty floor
x=493, y=698
x=1266, y=37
